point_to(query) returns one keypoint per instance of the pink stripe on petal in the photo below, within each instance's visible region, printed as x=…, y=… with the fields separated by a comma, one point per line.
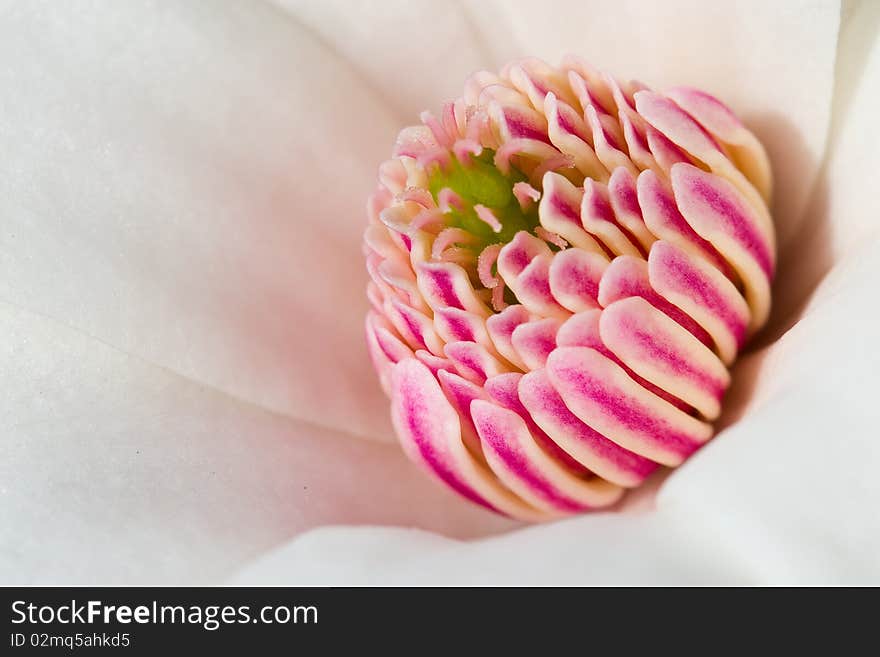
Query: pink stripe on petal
x=501, y=327
x=747, y=152
x=598, y=218
x=445, y=284
x=676, y=124
x=535, y=340
x=504, y=390
x=663, y=218
x=473, y=361
x=519, y=462
x=434, y=363
x=517, y=254
x=719, y=213
x=662, y=352
x=560, y=212
x=574, y=278
x=582, y=330
x=625, y=203
x=430, y=433
x=703, y=292
x=460, y=392
x=532, y=288
x=587, y=446
x=628, y=277
x=603, y=396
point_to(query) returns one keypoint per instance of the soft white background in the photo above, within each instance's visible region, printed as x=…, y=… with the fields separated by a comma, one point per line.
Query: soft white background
x=184, y=387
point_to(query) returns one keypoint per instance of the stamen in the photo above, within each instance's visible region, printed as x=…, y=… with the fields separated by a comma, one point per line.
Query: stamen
x=562, y=161
x=448, y=237
x=498, y=302
x=551, y=237
x=488, y=217
x=526, y=195
x=464, y=148
x=487, y=259
x=449, y=201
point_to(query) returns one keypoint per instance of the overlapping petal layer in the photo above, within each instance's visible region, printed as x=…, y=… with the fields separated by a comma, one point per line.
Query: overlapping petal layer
x=563, y=267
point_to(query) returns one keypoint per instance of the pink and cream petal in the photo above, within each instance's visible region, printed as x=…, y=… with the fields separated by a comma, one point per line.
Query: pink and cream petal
x=560, y=212
x=704, y=293
x=721, y=216
x=587, y=446
x=526, y=469
x=603, y=396
x=574, y=278
x=535, y=340
x=430, y=433
x=501, y=327
x=662, y=352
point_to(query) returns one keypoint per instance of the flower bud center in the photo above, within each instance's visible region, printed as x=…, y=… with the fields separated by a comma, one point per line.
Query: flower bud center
x=479, y=186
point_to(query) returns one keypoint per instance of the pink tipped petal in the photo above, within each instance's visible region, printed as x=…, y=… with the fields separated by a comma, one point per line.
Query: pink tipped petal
x=455, y=325
x=720, y=215
x=704, y=293
x=445, y=284
x=628, y=277
x=574, y=278
x=625, y=203
x=504, y=390
x=523, y=466
x=501, y=327
x=560, y=212
x=677, y=125
x=606, y=144
x=664, y=219
x=474, y=361
x=662, y=352
x=582, y=330
x=589, y=84
x=460, y=392
x=518, y=122
x=518, y=254
x=602, y=456
x=747, y=152
x=597, y=217
x=430, y=432
x=603, y=396
x=664, y=152
x=532, y=288
x=434, y=363
x=528, y=148
x=414, y=326
x=535, y=340
x=569, y=133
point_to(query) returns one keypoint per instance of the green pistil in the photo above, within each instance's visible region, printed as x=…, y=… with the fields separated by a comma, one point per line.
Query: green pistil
x=479, y=182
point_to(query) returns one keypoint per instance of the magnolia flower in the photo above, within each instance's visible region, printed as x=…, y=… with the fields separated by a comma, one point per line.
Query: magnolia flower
x=184, y=384
x=563, y=268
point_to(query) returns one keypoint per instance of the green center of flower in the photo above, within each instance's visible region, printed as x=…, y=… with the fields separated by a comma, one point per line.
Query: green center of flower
x=479, y=182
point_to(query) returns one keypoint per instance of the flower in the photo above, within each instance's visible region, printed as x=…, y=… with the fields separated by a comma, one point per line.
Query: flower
x=563, y=268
